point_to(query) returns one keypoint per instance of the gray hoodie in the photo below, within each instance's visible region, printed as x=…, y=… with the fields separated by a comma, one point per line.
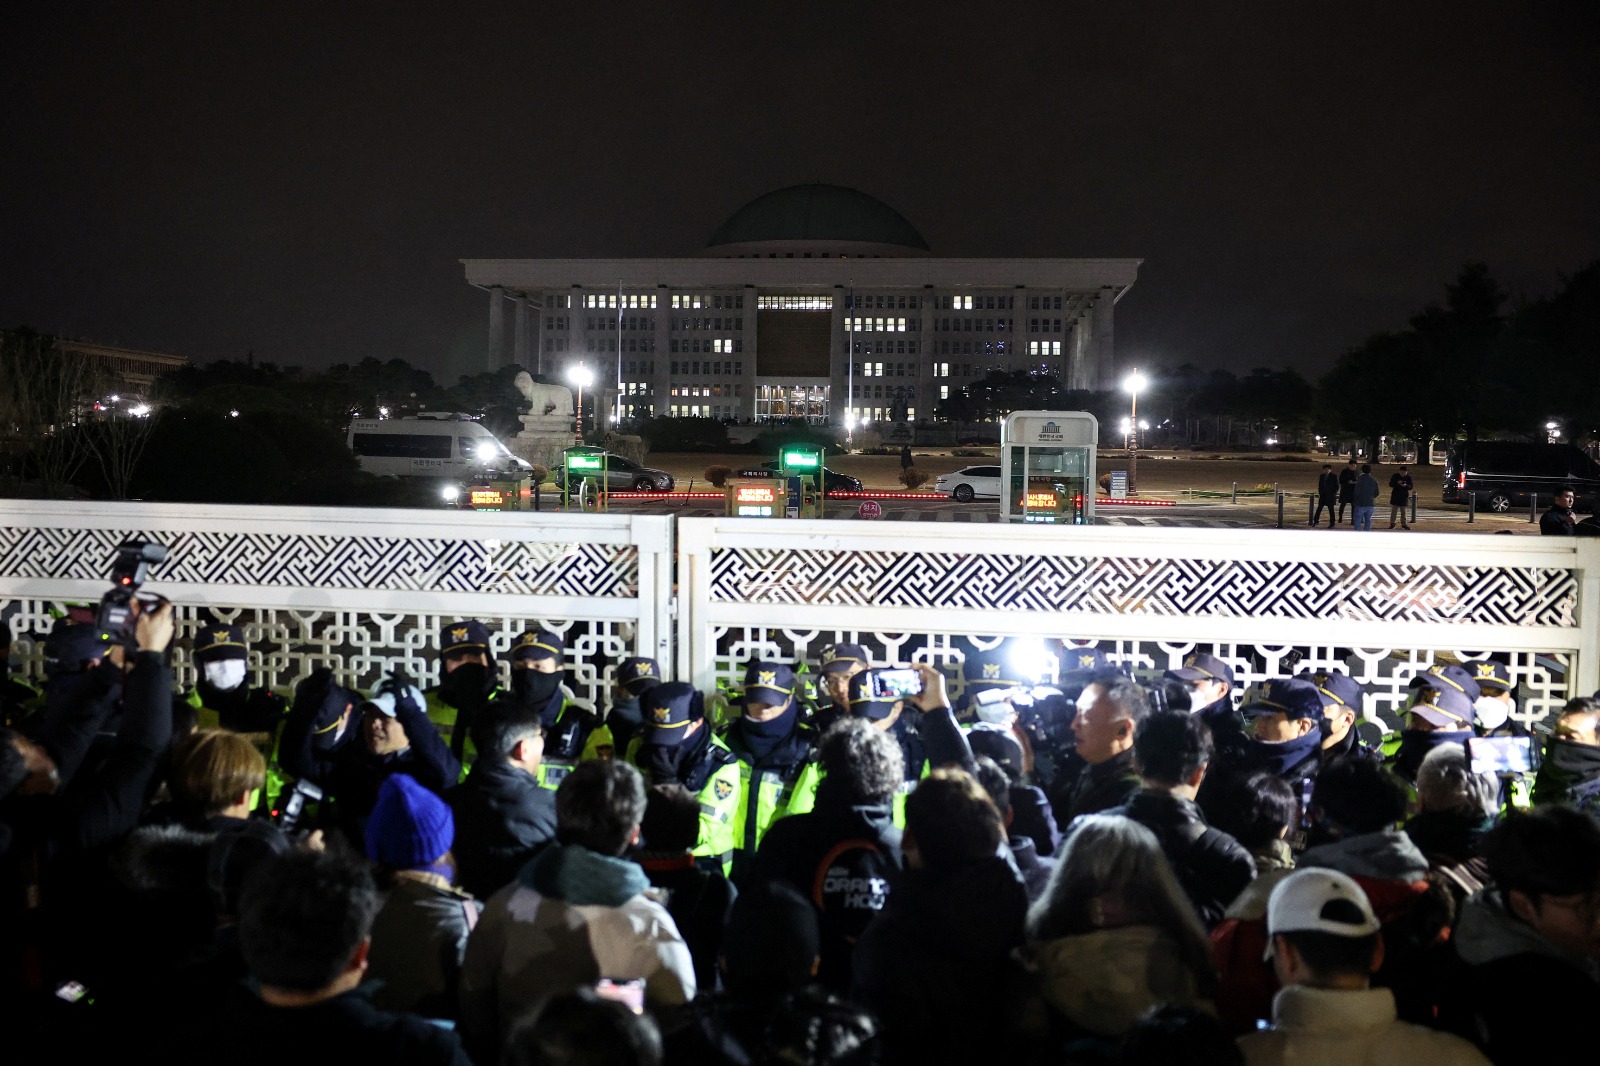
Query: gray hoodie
x=1388, y=855
x=1486, y=932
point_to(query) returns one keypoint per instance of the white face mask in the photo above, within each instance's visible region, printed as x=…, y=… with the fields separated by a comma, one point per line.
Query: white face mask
x=225, y=674
x=1491, y=712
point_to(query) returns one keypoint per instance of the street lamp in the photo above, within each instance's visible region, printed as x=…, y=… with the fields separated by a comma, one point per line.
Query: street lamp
x=580, y=376
x=1134, y=384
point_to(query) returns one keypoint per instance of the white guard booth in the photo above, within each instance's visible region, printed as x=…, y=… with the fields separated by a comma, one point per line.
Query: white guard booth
x=1047, y=467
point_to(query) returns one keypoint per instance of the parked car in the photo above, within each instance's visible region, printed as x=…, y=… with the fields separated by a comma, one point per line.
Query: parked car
x=1504, y=474
x=832, y=480
x=969, y=483
x=624, y=475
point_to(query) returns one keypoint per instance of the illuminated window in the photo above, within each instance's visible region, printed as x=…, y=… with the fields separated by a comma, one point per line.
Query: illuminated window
x=793, y=303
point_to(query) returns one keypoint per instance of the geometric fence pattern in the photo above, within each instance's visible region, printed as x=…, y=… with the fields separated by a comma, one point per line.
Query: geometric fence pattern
x=1167, y=587
x=327, y=561
x=361, y=646
x=1383, y=673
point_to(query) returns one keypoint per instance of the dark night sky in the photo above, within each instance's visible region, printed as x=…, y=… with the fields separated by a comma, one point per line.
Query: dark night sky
x=300, y=179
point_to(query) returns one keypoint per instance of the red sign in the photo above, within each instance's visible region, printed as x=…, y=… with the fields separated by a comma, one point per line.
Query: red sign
x=870, y=509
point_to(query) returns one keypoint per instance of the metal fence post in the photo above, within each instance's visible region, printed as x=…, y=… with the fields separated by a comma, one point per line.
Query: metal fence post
x=1533, y=507
x=1280, y=506
x=1235, y=492
x=1413, y=508
x=1472, y=507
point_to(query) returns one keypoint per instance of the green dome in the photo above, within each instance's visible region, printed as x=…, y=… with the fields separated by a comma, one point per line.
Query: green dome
x=817, y=213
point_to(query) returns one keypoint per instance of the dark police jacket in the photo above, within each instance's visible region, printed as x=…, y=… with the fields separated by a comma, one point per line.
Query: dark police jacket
x=1212, y=867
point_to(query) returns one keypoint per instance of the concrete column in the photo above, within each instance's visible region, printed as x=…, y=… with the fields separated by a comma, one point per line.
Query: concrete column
x=661, y=379
x=1102, y=364
x=839, y=357
x=519, y=344
x=497, y=328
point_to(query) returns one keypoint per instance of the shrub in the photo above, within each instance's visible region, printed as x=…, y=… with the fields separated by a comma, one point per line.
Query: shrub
x=718, y=475
x=684, y=434
x=539, y=475
x=912, y=478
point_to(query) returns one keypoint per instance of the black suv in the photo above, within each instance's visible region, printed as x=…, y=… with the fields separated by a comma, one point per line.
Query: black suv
x=1505, y=474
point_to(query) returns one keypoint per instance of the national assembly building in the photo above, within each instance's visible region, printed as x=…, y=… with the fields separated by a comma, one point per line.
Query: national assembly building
x=814, y=302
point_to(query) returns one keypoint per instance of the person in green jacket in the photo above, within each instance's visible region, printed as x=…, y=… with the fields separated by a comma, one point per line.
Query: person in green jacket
x=778, y=770
x=573, y=732
x=676, y=745
x=465, y=685
x=221, y=699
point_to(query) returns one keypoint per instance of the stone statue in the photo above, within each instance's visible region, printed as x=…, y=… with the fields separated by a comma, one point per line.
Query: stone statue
x=544, y=401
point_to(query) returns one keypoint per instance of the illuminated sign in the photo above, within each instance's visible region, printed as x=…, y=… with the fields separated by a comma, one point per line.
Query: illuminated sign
x=754, y=494
x=487, y=498
x=583, y=462
x=1040, y=501
x=798, y=460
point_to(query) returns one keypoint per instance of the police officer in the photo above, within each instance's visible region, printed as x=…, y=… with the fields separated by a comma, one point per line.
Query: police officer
x=1439, y=711
x=1341, y=714
x=572, y=731
x=221, y=699
x=465, y=684
x=778, y=771
x=838, y=663
x=636, y=675
x=676, y=745
x=1494, y=705
x=1211, y=685
x=982, y=671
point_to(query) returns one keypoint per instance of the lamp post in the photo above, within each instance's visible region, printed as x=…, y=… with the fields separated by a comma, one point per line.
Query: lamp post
x=1134, y=384
x=580, y=376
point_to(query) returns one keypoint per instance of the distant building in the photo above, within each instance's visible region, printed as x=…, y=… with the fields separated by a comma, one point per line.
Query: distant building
x=128, y=368
x=810, y=301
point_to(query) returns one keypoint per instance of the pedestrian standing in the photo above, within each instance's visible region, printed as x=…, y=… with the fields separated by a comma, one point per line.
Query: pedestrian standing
x=1364, y=499
x=1400, y=486
x=1327, y=494
x=1560, y=521
x=1347, y=488
x=906, y=462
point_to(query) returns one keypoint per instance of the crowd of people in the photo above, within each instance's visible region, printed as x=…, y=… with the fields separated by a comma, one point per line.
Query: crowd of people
x=835, y=862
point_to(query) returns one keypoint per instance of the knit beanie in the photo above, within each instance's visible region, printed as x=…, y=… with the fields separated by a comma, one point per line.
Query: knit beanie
x=410, y=827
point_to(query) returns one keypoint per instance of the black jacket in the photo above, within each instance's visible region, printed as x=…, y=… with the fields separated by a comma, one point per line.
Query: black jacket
x=842, y=858
x=503, y=818
x=335, y=1032
x=1035, y=870
x=1328, y=487
x=1347, y=483
x=1212, y=867
x=723, y=1029
x=700, y=902
x=1558, y=522
x=936, y=966
x=1096, y=788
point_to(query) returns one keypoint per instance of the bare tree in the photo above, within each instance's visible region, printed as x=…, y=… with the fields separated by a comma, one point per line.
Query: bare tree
x=43, y=391
x=117, y=439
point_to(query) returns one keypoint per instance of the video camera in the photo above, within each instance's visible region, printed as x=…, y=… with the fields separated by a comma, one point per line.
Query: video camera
x=129, y=570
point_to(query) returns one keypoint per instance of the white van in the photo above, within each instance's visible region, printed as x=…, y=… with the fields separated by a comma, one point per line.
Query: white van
x=433, y=444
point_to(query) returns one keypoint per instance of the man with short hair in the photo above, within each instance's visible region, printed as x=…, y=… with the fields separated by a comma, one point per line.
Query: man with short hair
x=1327, y=494
x=1347, y=488
x=1364, y=499
x=1326, y=945
x=936, y=966
x=1559, y=520
x=1530, y=941
x=1400, y=487
x=843, y=852
x=1172, y=752
x=305, y=928
x=1110, y=708
x=502, y=815
x=575, y=914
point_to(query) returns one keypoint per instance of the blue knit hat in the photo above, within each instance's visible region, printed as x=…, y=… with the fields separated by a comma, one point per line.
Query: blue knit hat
x=410, y=827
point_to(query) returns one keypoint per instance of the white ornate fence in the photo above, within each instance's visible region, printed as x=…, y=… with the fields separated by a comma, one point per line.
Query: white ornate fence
x=364, y=591
x=1380, y=606
x=359, y=590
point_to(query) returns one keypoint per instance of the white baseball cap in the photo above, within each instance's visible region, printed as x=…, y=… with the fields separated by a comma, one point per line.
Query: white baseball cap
x=1299, y=902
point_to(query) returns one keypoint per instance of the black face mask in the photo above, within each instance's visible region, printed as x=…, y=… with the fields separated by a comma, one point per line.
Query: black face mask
x=660, y=762
x=539, y=691
x=466, y=685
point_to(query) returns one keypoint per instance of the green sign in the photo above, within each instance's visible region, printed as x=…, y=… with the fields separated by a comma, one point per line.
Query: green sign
x=798, y=460
x=583, y=462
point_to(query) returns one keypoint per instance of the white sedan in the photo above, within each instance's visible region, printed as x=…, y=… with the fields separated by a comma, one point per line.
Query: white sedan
x=970, y=483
